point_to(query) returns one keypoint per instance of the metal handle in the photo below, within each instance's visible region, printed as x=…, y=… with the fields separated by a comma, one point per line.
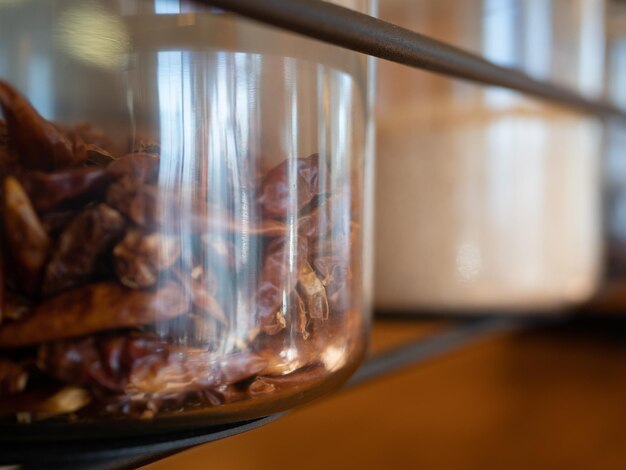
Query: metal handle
x=362, y=33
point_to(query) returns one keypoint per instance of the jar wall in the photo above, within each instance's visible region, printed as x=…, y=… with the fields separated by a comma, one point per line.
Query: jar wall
x=487, y=199
x=217, y=268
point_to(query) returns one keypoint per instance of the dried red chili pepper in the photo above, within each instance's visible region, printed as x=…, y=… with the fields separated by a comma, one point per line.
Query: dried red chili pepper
x=139, y=202
x=91, y=136
x=55, y=222
x=39, y=144
x=299, y=315
x=229, y=393
x=327, y=214
x=65, y=189
x=25, y=239
x=146, y=145
x=97, y=156
x=13, y=377
x=2, y=290
x=14, y=306
x=2, y=293
x=140, y=257
x=81, y=245
x=154, y=208
x=334, y=273
x=140, y=167
x=103, y=361
x=143, y=363
x=260, y=387
x=92, y=308
x=277, y=188
x=332, y=258
x=304, y=378
x=45, y=402
x=305, y=348
x=142, y=405
x=313, y=293
x=239, y=366
x=8, y=159
x=201, y=284
x=277, y=279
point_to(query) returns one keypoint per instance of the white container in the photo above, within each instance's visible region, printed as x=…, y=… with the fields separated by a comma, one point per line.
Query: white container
x=487, y=199
x=615, y=173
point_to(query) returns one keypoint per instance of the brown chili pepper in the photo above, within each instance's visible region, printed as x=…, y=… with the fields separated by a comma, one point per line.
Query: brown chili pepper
x=229, y=393
x=39, y=144
x=25, y=239
x=138, y=202
x=91, y=136
x=97, y=361
x=2, y=290
x=81, y=245
x=331, y=258
x=97, y=156
x=140, y=257
x=278, y=278
x=329, y=267
x=327, y=213
x=277, y=189
x=306, y=349
x=193, y=370
x=14, y=306
x=260, y=387
x=334, y=272
x=141, y=405
x=13, y=377
x=154, y=208
x=201, y=284
x=302, y=379
x=313, y=293
x=92, y=308
x=140, y=167
x=55, y=222
x=8, y=159
x=239, y=366
x=65, y=189
x=45, y=402
x=143, y=363
x=299, y=314
x=146, y=145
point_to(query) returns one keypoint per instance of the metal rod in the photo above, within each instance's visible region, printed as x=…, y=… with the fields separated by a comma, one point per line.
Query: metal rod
x=362, y=33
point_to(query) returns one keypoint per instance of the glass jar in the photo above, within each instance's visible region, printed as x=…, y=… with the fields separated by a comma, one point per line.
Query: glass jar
x=486, y=199
x=183, y=215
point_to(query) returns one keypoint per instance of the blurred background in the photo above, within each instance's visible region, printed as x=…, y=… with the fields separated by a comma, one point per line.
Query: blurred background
x=487, y=202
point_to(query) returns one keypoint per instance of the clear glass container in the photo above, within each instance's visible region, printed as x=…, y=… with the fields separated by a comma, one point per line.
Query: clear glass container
x=183, y=215
x=486, y=199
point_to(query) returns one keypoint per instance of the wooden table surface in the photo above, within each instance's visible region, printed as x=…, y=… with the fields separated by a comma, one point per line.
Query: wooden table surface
x=549, y=397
